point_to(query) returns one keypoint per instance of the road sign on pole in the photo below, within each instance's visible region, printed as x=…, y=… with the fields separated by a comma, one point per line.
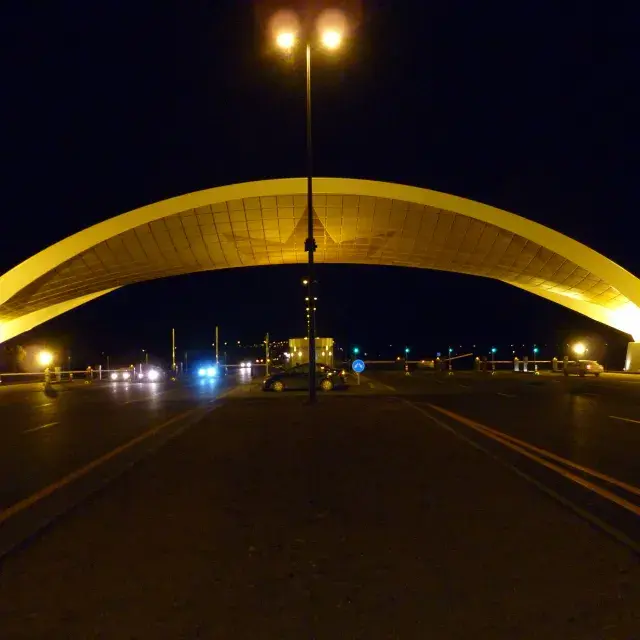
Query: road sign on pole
x=358, y=367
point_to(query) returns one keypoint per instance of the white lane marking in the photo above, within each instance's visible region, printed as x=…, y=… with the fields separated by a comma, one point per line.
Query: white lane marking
x=371, y=385
x=506, y=395
x=388, y=386
x=625, y=419
x=46, y=404
x=44, y=426
x=463, y=385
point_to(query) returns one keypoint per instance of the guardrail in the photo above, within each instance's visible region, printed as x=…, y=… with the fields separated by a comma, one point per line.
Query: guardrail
x=25, y=377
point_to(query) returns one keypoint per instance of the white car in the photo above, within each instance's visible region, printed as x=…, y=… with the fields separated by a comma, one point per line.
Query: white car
x=583, y=368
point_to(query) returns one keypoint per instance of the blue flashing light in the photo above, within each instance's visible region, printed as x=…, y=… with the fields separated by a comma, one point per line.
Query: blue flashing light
x=202, y=372
x=211, y=372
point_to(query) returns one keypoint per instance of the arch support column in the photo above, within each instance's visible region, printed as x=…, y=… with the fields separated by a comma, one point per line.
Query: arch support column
x=632, y=363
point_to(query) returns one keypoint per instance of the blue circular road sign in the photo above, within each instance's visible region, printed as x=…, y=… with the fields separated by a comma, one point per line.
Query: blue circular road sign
x=357, y=366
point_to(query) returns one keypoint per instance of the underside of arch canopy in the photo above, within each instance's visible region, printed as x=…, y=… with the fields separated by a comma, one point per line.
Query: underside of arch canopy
x=355, y=222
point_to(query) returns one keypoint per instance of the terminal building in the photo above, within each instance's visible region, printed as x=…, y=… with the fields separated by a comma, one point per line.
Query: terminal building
x=299, y=351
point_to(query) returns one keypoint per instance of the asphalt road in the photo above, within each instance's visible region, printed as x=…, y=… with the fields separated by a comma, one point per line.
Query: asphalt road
x=46, y=437
x=592, y=425
x=397, y=509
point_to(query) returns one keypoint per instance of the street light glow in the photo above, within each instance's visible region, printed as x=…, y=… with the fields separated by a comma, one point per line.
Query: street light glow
x=579, y=349
x=331, y=39
x=332, y=26
x=286, y=40
x=45, y=358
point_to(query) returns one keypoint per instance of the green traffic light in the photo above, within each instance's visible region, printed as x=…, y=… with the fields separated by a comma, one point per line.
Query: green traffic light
x=356, y=350
x=493, y=349
x=406, y=349
x=535, y=349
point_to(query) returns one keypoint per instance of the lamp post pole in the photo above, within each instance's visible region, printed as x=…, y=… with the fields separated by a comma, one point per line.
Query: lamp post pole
x=310, y=242
x=285, y=39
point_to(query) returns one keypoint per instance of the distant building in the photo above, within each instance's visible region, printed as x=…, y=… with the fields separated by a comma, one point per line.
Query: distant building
x=299, y=351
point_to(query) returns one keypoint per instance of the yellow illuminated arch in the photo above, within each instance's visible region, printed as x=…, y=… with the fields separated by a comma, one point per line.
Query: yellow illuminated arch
x=355, y=221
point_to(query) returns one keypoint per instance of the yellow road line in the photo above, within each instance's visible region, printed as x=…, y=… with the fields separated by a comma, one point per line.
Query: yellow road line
x=78, y=473
x=625, y=419
x=527, y=450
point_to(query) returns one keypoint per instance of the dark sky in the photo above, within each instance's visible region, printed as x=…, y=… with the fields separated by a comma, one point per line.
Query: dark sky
x=531, y=107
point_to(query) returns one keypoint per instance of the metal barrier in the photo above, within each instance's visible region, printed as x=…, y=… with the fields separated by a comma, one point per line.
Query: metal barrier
x=25, y=377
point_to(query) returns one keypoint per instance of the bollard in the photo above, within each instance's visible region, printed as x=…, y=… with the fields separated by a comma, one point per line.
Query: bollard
x=516, y=364
x=525, y=364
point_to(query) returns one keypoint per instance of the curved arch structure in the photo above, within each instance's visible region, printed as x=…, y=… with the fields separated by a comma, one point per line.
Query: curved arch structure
x=355, y=221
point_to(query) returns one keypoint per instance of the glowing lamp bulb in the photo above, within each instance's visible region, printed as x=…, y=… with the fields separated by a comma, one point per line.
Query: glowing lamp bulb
x=331, y=39
x=285, y=40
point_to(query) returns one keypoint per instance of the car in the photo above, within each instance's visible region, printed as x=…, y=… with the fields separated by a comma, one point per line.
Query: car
x=327, y=378
x=150, y=374
x=209, y=370
x=122, y=375
x=583, y=368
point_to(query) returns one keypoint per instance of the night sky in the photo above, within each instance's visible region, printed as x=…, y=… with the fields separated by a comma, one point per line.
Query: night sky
x=530, y=107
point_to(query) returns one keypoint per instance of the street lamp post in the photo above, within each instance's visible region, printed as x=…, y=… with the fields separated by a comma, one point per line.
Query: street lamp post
x=285, y=38
x=310, y=243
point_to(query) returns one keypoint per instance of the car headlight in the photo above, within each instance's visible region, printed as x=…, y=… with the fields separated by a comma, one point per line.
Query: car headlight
x=126, y=375
x=141, y=375
x=211, y=371
x=114, y=376
x=202, y=372
x=154, y=375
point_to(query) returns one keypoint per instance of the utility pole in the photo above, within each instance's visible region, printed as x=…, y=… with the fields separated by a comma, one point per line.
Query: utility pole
x=186, y=361
x=217, y=343
x=266, y=349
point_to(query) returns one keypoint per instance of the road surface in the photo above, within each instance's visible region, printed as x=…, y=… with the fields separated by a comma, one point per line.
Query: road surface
x=379, y=513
